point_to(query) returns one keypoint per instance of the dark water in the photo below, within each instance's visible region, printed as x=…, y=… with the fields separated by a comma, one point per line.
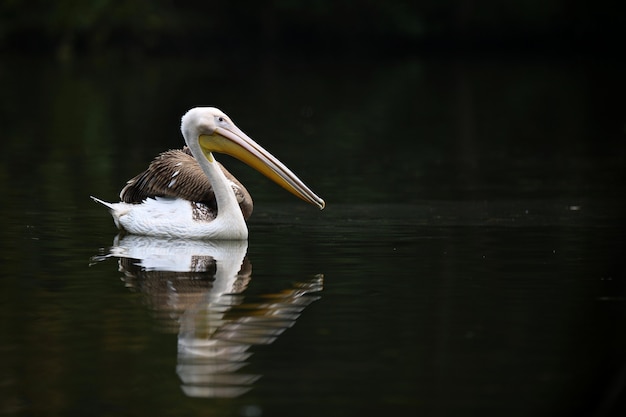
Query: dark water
x=469, y=260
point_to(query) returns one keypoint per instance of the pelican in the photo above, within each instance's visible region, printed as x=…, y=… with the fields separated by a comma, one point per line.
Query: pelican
x=188, y=194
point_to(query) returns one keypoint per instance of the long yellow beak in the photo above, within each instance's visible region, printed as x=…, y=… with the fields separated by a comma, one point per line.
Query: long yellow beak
x=235, y=143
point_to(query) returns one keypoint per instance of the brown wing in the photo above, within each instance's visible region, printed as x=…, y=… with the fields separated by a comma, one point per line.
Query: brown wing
x=176, y=173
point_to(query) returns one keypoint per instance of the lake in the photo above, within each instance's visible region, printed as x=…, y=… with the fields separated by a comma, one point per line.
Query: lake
x=469, y=260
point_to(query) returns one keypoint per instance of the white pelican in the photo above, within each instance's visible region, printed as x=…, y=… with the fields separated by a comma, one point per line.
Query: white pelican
x=188, y=194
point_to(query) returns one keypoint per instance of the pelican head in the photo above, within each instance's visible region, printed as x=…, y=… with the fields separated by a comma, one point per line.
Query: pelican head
x=210, y=130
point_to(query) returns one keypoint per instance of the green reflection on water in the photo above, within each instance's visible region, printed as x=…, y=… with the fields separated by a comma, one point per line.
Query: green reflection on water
x=400, y=132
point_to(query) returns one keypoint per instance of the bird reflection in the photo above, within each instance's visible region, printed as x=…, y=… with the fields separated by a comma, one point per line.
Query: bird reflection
x=196, y=287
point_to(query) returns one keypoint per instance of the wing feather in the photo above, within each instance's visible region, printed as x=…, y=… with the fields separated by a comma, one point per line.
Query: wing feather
x=176, y=173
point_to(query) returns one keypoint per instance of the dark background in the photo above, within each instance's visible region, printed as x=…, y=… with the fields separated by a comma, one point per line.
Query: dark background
x=365, y=27
x=471, y=154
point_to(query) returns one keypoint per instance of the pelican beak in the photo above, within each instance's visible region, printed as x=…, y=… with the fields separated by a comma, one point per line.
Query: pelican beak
x=235, y=143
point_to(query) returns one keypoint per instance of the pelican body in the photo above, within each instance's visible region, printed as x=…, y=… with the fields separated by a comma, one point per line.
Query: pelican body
x=188, y=194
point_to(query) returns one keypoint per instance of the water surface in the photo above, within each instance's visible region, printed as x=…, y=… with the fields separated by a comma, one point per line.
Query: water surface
x=468, y=261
